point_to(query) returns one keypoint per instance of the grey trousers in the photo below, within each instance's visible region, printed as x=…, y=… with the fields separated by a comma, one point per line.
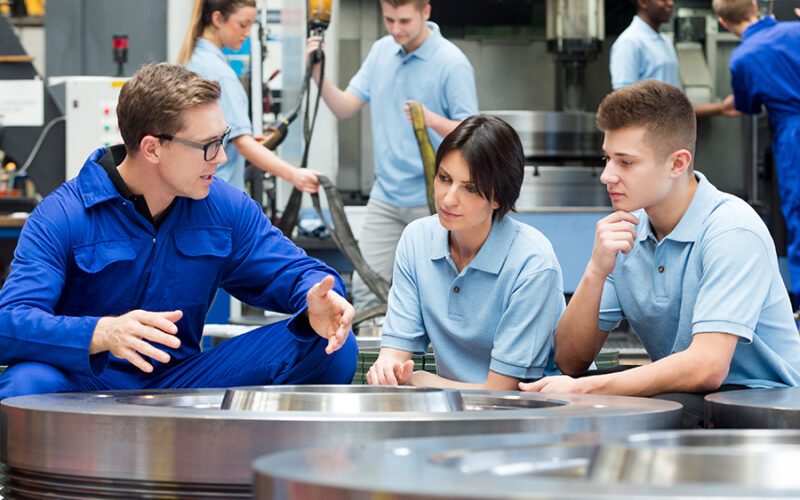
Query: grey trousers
x=383, y=225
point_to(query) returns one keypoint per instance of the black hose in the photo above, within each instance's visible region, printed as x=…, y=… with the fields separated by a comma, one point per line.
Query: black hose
x=289, y=217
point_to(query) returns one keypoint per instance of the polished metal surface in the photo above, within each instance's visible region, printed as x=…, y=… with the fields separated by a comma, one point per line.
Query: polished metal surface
x=681, y=465
x=544, y=187
x=183, y=437
x=755, y=409
x=552, y=135
x=575, y=19
x=342, y=399
x=764, y=459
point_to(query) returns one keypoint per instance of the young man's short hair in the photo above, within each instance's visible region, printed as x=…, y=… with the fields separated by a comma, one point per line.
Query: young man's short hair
x=733, y=11
x=153, y=101
x=493, y=152
x=659, y=107
x=420, y=4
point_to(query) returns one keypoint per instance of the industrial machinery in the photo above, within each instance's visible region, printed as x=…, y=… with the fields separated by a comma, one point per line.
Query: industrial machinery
x=575, y=30
x=677, y=464
x=89, y=106
x=201, y=443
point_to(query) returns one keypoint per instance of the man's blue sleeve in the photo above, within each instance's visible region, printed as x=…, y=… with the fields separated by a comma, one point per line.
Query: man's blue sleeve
x=624, y=64
x=360, y=84
x=267, y=270
x=745, y=94
x=460, y=94
x=29, y=328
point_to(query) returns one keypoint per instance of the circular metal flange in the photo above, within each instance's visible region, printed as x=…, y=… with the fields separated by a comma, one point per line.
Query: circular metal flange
x=755, y=409
x=682, y=465
x=181, y=437
x=342, y=399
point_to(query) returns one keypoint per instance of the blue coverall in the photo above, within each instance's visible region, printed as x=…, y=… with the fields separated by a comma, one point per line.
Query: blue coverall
x=86, y=253
x=765, y=69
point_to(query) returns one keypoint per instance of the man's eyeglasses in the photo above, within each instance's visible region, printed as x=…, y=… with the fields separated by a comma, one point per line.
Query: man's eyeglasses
x=210, y=148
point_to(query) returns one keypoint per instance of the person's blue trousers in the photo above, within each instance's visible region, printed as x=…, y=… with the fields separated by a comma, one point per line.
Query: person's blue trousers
x=269, y=355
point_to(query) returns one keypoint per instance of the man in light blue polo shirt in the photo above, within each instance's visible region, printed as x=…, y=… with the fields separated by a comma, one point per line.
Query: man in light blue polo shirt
x=692, y=269
x=641, y=52
x=414, y=62
x=483, y=289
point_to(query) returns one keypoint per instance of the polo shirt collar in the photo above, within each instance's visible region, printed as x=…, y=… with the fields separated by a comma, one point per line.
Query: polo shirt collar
x=424, y=51
x=95, y=184
x=760, y=25
x=492, y=254
x=691, y=224
x=641, y=26
x=202, y=44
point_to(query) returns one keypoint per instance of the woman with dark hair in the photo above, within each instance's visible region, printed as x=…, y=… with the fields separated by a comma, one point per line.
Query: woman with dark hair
x=485, y=290
x=226, y=23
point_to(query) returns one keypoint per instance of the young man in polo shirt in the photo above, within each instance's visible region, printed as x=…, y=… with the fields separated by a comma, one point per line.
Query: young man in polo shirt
x=692, y=269
x=413, y=62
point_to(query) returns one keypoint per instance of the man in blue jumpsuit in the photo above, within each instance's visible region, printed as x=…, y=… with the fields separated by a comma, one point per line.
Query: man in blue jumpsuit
x=765, y=70
x=115, y=270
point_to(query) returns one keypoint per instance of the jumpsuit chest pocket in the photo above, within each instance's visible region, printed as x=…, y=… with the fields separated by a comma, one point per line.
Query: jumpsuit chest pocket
x=93, y=258
x=101, y=267
x=200, y=256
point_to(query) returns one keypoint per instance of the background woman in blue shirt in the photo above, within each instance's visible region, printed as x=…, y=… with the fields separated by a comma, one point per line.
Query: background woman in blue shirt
x=485, y=290
x=226, y=23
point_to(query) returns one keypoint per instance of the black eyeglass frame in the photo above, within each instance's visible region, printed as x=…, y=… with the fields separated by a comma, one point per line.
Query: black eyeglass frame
x=220, y=142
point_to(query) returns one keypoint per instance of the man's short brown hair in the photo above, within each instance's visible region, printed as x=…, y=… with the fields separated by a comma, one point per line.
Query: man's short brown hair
x=660, y=108
x=153, y=101
x=420, y=4
x=734, y=11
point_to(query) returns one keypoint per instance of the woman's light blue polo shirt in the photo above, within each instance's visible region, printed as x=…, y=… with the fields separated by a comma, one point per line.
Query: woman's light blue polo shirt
x=717, y=271
x=498, y=313
x=209, y=62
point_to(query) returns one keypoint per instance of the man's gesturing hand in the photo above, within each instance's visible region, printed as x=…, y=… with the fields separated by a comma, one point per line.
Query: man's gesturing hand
x=329, y=314
x=125, y=336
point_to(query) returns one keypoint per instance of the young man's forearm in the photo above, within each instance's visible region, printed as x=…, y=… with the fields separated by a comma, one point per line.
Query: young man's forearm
x=686, y=371
x=576, y=335
x=342, y=104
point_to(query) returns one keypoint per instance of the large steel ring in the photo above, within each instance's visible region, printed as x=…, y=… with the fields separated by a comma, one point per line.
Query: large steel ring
x=182, y=443
x=755, y=409
x=678, y=464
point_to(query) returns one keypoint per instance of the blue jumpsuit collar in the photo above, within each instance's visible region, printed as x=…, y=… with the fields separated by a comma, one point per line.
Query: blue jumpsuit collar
x=95, y=185
x=760, y=25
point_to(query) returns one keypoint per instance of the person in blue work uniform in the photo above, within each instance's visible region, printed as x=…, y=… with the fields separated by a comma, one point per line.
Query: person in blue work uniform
x=692, y=269
x=227, y=23
x=115, y=270
x=414, y=62
x=765, y=71
x=484, y=290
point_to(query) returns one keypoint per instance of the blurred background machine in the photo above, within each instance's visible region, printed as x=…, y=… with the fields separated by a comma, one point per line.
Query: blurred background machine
x=543, y=66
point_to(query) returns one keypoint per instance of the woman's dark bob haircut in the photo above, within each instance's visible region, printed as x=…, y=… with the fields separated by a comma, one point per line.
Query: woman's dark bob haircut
x=493, y=152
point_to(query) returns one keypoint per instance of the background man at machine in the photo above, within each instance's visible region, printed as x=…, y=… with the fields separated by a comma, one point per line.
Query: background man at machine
x=641, y=53
x=414, y=62
x=129, y=255
x=765, y=70
x=692, y=269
